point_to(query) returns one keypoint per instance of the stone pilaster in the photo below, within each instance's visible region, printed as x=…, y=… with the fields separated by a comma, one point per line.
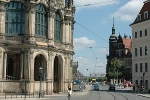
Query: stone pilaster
x=4, y=64
x=1, y=64
x=30, y=63
x=51, y=23
x=50, y=72
x=29, y=22
x=2, y=17
x=22, y=65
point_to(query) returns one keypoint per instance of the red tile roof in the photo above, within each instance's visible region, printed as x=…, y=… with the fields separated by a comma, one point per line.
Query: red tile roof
x=127, y=43
x=146, y=7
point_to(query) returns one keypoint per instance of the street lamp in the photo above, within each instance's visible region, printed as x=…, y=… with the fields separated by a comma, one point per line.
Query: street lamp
x=143, y=78
x=40, y=72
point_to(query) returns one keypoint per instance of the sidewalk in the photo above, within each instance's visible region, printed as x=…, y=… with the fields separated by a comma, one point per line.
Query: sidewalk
x=129, y=89
x=46, y=97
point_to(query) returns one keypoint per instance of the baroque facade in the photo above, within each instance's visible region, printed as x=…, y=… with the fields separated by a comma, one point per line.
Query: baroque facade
x=141, y=48
x=34, y=34
x=120, y=48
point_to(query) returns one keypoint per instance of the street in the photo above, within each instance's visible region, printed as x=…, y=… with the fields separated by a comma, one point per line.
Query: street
x=102, y=94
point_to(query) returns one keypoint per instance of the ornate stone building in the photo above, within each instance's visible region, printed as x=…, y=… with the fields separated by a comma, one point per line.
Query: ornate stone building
x=34, y=34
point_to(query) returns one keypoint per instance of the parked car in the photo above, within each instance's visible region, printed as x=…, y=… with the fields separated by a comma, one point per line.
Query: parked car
x=96, y=87
x=112, y=87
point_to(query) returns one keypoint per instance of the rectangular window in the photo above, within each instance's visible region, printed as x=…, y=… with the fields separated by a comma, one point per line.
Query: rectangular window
x=146, y=84
x=140, y=33
x=128, y=62
x=136, y=52
x=140, y=51
x=145, y=32
x=145, y=14
x=141, y=68
x=146, y=67
x=145, y=50
x=136, y=82
x=136, y=67
x=139, y=17
x=135, y=34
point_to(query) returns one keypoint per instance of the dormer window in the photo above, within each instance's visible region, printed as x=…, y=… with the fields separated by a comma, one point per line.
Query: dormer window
x=146, y=15
x=139, y=17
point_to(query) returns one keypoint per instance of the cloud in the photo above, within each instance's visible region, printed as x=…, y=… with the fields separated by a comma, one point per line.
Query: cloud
x=83, y=42
x=129, y=11
x=94, y=3
x=91, y=64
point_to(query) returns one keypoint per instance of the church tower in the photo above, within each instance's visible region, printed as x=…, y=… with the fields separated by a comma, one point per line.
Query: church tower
x=112, y=42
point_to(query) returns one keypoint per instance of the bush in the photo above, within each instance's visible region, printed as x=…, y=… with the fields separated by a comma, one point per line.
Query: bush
x=148, y=90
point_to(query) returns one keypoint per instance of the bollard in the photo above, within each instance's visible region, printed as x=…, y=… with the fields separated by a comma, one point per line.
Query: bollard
x=25, y=94
x=21, y=94
x=33, y=94
x=11, y=94
x=5, y=95
x=16, y=94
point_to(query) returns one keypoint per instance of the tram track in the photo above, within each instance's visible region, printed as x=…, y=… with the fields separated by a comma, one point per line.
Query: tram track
x=91, y=95
x=115, y=97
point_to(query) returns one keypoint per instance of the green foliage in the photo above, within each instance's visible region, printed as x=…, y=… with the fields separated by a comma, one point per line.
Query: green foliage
x=115, y=68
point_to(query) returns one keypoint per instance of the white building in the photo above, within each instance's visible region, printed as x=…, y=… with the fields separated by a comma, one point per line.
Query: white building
x=34, y=34
x=141, y=47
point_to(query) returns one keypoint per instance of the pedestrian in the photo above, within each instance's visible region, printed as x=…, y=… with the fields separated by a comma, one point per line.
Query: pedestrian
x=133, y=88
x=138, y=88
x=84, y=87
x=69, y=91
x=142, y=89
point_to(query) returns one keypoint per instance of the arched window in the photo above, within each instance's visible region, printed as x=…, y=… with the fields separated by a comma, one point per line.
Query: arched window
x=57, y=29
x=40, y=21
x=14, y=19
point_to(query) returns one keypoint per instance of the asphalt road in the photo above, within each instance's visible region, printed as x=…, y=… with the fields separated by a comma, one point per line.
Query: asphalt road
x=102, y=94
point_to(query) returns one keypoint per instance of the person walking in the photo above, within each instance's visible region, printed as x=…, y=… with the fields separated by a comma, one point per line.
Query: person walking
x=142, y=89
x=138, y=88
x=133, y=88
x=69, y=92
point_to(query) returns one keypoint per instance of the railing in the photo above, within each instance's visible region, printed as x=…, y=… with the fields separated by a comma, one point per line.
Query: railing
x=23, y=95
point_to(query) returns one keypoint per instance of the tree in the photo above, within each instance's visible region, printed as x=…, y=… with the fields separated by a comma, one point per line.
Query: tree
x=115, y=68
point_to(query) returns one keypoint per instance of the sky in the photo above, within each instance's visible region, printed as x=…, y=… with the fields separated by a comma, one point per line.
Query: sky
x=93, y=27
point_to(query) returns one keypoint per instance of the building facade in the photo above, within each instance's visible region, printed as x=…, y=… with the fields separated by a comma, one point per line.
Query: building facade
x=36, y=34
x=120, y=47
x=74, y=70
x=140, y=47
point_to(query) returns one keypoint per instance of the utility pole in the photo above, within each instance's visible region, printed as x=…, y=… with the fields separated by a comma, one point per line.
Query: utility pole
x=117, y=76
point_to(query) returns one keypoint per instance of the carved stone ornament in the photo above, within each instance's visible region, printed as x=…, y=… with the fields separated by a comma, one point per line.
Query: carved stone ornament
x=2, y=6
x=30, y=8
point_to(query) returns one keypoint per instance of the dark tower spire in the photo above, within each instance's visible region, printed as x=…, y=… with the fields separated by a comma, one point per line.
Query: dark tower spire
x=113, y=28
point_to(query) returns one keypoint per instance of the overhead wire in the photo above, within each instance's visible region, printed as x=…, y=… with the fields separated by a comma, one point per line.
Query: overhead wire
x=67, y=38
x=96, y=3
x=81, y=26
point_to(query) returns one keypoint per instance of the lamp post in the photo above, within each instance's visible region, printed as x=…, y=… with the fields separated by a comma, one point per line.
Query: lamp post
x=141, y=81
x=143, y=77
x=40, y=72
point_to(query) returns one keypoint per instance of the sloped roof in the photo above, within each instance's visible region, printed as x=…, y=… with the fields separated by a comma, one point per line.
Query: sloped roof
x=146, y=7
x=127, y=42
